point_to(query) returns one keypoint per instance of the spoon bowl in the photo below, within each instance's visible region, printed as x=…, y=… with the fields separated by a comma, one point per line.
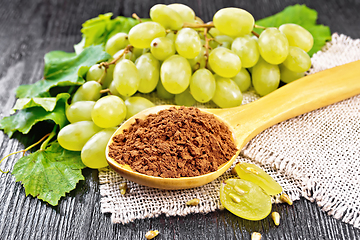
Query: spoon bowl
x=246, y=121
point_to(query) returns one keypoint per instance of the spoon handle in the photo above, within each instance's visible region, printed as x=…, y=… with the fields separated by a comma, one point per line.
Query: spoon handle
x=304, y=95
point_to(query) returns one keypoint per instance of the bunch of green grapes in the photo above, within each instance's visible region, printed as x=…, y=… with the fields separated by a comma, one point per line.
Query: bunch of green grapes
x=179, y=57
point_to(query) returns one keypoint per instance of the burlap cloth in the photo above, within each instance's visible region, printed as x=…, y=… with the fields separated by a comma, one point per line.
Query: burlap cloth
x=315, y=155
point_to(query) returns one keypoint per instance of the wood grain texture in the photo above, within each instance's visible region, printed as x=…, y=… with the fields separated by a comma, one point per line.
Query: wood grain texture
x=29, y=29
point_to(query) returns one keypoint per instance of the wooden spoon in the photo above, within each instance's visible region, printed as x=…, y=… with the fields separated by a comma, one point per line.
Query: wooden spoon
x=246, y=121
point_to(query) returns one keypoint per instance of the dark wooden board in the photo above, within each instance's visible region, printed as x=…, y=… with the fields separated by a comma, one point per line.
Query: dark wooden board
x=29, y=29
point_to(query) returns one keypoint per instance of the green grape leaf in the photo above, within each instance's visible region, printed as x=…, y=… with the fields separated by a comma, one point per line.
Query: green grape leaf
x=303, y=16
x=49, y=174
x=63, y=69
x=98, y=30
x=25, y=119
x=48, y=103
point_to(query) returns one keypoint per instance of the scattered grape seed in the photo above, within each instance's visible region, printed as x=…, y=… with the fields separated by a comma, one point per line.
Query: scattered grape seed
x=193, y=202
x=235, y=198
x=151, y=234
x=255, y=236
x=285, y=198
x=276, y=218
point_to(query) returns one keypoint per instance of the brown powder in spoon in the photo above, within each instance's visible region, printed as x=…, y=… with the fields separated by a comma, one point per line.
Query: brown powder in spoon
x=176, y=142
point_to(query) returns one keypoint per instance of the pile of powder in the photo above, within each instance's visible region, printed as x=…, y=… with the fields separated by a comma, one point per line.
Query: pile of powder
x=176, y=142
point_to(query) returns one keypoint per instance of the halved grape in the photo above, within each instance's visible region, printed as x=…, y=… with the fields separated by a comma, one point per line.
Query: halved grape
x=224, y=62
x=245, y=199
x=234, y=22
x=74, y=136
x=141, y=35
x=108, y=111
x=135, y=105
x=93, y=152
x=253, y=173
x=297, y=36
x=79, y=111
x=89, y=91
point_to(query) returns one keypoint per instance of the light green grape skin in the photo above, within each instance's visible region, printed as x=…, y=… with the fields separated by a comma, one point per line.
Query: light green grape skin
x=89, y=91
x=247, y=49
x=297, y=36
x=135, y=105
x=175, y=74
x=141, y=35
x=137, y=52
x=108, y=111
x=113, y=91
x=202, y=85
x=162, y=93
x=224, y=62
x=288, y=76
x=265, y=77
x=166, y=16
x=298, y=60
x=116, y=43
x=108, y=77
x=185, y=12
x=95, y=73
x=213, y=32
x=93, y=152
x=243, y=80
x=225, y=41
x=234, y=22
x=227, y=93
x=74, y=136
x=185, y=99
x=149, y=72
x=273, y=46
x=162, y=48
x=172, y=36
x=187, y=43
x=126, y=78
x=79, y=111
x=129, y=55
x=199, y=61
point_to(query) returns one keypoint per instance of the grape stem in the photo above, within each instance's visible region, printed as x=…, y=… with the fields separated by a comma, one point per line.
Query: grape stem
x=104, y=91
x=198, y=25
x=102, y=75
x=30, y=147
x=50, y=136
x=106, y=65
x=257, y=26
x=134, y=15
x=255, y=33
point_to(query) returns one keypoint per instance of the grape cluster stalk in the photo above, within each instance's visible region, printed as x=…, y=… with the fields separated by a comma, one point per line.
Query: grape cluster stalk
x=180, y=57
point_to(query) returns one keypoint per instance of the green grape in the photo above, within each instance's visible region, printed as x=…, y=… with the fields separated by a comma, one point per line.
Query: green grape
x=298, y=60
x=224, y=62
x=199, y=61
x=128, y=55
x=89, y=91
x=135, y=105
x=93, y=152
x=126, y=77
x=202, y=85
x=149, y=71
x=137, y=52
x=95, y=72
x=162, y=93
x=113, y=91
x=273, y=46
x=141, y=35
x=288, y=76
x=213, y=32
x=265, y=77
x=221, y=41
x=187, y=43
x=116, y=43
x=186, y=13
x=185, y=99
x=297, y=36
x=74, y=136
x=253, y=173
x=79, y=111
x=243, y=80
x=245, y=199
x=162, y=48
x=108, y=111
x=175, y=74
x=108, y=77
x=233, y=22
x=227, y=93
x=166, y=16
x=171, y=35
x=247, y=49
